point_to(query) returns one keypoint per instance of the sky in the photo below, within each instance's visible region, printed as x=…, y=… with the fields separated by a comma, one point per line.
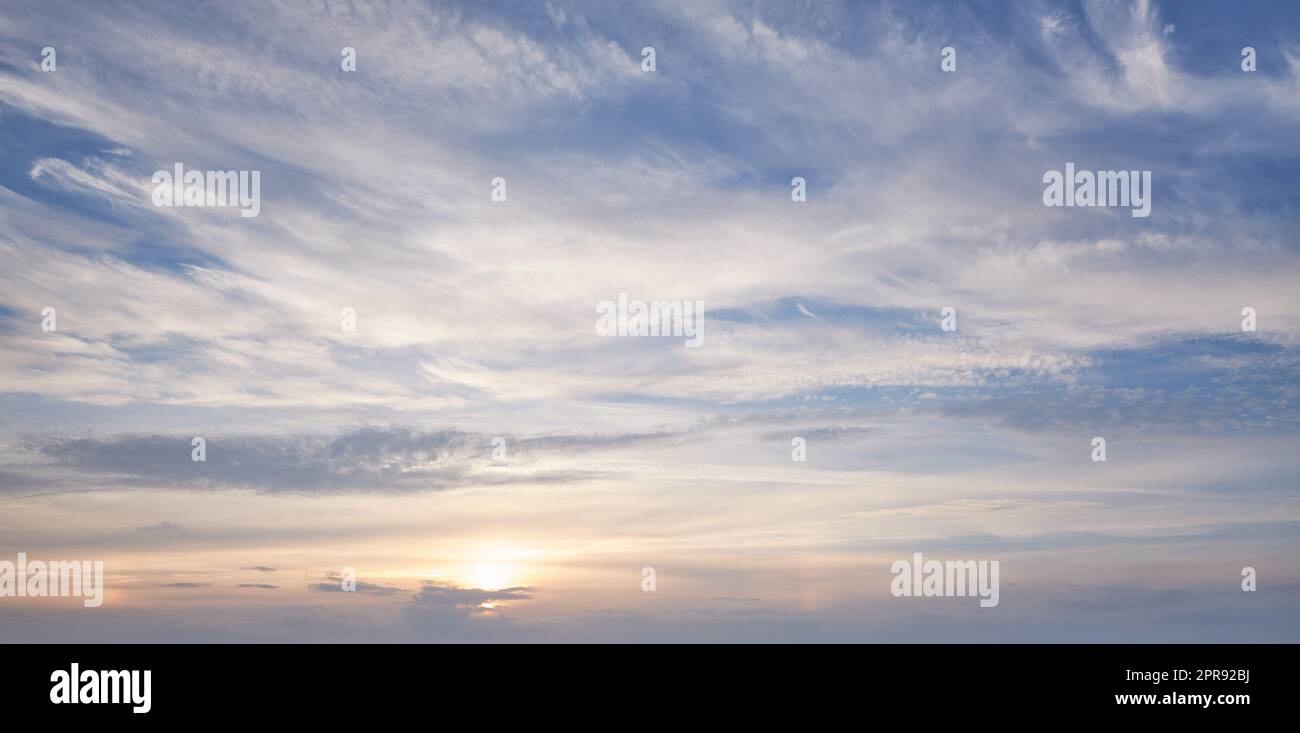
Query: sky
x=475, y=320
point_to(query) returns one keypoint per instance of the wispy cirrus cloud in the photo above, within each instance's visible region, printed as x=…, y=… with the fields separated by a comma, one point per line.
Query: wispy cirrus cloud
x=475, y=318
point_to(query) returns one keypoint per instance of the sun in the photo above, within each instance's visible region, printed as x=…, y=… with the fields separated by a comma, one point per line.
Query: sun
x=494, y=567
x=490, y=576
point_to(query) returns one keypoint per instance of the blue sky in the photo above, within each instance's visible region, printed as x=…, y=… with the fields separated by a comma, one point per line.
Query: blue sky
x=372, y=448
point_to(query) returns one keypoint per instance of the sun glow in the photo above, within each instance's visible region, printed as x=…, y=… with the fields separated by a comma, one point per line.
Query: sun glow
x=491, y=576
x=496, y=567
